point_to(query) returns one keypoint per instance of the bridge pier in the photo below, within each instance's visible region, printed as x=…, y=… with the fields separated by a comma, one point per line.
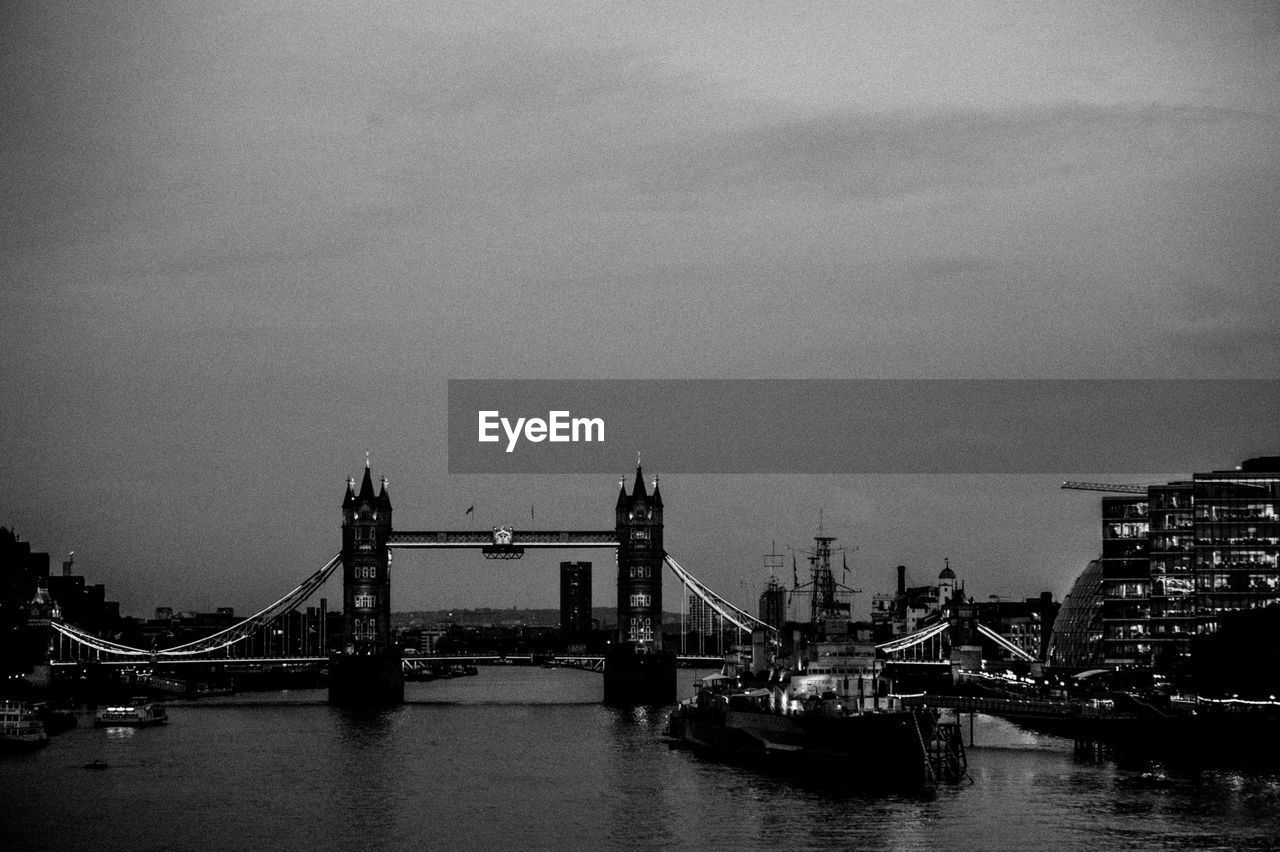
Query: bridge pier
x=639, y=678
x=365, y=681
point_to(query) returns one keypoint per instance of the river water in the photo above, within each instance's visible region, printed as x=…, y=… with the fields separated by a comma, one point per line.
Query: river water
x=521, y=757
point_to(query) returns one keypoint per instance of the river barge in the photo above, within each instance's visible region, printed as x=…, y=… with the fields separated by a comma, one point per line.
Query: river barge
x=20, y=728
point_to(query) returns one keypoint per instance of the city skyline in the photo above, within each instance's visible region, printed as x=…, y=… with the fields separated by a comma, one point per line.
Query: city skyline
x=245, y=246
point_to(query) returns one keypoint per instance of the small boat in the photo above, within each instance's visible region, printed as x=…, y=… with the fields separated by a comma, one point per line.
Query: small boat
x=136, y=713
x=20, y=728
x=97, y=764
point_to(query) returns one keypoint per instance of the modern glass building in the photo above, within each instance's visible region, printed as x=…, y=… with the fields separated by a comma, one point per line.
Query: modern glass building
x=1171, y=547
x=1126, y=581
x=1174, y=560
x=1237, y=537
x=1076, y=641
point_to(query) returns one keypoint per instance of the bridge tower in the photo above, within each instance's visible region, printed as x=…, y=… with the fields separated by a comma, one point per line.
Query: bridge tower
x=366, y=669
x=637, y=670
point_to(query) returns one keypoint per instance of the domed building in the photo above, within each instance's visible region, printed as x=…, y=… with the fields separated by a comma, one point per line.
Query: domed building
x=1076, y=641
x=946, y=584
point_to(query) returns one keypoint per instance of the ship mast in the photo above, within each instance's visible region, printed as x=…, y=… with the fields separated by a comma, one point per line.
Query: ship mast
x=824, y=591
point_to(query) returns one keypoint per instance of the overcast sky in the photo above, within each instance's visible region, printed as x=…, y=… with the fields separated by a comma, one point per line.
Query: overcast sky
x=241, y=244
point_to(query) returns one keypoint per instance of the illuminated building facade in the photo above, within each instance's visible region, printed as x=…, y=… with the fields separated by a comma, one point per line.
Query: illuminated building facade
x=1126, y=581
x=1171, y=545
x=1237, y=537
x=1174, y=561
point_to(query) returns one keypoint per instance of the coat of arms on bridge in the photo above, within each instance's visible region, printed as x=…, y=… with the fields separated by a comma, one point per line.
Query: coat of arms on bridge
x=502, y=547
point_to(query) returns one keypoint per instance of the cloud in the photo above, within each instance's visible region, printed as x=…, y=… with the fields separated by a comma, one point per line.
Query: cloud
x=855, y=154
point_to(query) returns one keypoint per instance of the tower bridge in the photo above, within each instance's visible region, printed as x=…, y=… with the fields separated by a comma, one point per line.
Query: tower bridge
x=367, y=668
x=637, y=669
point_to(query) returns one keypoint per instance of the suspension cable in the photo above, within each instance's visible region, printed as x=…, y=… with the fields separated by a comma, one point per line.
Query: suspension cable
x=715, y=601
x=1005, y=643
x=217, y=641
x=912, y=639
x=299, y=594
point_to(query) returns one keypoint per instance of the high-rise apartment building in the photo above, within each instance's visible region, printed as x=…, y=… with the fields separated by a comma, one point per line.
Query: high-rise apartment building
x=575, y=598
x=773, y=604
x=703, y=620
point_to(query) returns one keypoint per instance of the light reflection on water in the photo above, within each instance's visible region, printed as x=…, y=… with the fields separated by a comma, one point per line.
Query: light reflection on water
x=525, y=757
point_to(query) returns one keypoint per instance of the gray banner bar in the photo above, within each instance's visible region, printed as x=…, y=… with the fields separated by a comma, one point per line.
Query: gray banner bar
x=860, y=426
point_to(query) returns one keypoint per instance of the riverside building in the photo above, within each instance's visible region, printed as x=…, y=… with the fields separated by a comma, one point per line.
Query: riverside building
x=1175, y=560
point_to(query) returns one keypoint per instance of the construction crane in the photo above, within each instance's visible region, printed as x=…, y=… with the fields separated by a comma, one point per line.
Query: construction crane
x=1103, y=486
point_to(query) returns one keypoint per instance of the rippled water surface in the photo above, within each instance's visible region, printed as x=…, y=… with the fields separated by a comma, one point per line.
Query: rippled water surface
x=526, y=757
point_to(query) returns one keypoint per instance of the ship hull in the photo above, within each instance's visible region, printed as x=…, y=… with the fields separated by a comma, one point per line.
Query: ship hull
x=872, y=749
